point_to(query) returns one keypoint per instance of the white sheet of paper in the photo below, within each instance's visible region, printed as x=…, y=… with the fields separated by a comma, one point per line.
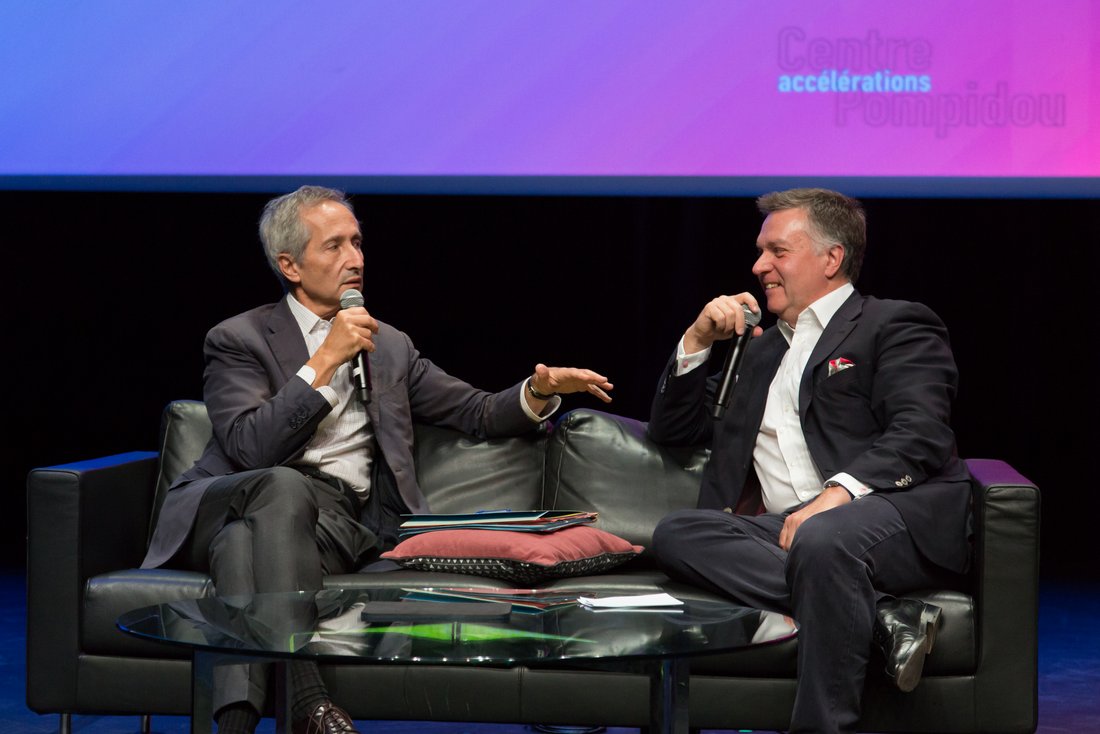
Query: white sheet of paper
x=628, y=602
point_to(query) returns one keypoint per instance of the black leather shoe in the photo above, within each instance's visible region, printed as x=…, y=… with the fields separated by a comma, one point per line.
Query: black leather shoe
x=905, y=630
x=327, y=718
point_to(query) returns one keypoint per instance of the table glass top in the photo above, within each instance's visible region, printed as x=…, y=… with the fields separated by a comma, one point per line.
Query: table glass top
x=449, y=626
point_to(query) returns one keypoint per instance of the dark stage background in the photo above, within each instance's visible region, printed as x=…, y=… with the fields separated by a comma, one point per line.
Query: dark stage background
x=109, y=296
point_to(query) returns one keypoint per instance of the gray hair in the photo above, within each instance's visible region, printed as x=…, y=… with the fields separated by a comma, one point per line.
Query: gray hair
x=281, y=226
x=835, y=219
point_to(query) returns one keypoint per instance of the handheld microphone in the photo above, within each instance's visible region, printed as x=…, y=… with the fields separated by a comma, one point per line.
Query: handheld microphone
x=733, y=363
x=360, y=365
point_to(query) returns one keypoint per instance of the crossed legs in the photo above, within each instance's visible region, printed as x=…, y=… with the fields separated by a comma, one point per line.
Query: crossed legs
x=840, y=564
x=272, y=530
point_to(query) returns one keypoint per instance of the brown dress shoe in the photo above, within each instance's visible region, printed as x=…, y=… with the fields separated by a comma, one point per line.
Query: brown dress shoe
x=327, y=718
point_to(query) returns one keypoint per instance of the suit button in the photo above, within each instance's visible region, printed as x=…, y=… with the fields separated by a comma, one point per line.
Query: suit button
x=298, y=419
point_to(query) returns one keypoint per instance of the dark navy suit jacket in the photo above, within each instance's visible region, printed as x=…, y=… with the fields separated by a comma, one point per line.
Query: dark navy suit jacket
x=885, y=421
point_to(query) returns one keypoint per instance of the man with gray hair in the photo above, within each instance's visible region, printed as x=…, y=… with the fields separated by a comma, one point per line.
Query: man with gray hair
x=309, y=469
x=833, y=486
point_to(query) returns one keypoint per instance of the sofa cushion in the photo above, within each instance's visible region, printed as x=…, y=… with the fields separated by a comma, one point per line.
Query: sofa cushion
x=515, y=556
x=607, y=464
x=184, y=432
x=461, y=473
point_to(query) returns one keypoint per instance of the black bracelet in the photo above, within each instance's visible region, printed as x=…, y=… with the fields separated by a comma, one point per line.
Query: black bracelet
x=535, y=393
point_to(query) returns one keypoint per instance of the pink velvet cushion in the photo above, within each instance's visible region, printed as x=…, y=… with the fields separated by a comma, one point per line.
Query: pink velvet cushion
x=522, y=557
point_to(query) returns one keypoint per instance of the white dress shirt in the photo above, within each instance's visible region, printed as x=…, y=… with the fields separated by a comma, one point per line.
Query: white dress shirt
x=781, y=457
x=343, y=445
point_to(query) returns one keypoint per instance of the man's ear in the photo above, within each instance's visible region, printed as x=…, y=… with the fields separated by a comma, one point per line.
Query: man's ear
x=288, y=268
x=835, y=255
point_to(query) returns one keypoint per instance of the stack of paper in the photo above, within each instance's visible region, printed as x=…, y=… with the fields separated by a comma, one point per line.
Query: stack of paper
x=539, y=521
x=635, y=603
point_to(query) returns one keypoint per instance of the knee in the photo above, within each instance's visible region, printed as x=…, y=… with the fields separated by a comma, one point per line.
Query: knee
x=672, y=536
x=816, y=544
x=284, y=491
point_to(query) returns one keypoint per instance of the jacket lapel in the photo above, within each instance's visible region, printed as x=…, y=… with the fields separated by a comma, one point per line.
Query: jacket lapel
x=285, y=339
x=840, y=326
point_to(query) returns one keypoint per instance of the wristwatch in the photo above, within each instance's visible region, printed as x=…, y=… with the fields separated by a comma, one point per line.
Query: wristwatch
x=834, y=483
x=535, y=393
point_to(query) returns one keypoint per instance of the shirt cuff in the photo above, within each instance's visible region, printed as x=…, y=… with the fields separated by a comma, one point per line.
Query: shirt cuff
x=309, y=374
x=551, y=405
x=855, y=487
x=687, y=362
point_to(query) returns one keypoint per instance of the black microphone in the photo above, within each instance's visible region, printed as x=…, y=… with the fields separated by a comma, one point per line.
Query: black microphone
x=360, y=365
x=733, y=362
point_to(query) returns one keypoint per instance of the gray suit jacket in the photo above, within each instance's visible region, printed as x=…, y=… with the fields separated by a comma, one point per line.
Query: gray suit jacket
x=263, y=415
x=885, y=421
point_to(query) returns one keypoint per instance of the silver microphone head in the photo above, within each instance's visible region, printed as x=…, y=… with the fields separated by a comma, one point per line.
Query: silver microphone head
x=751, y=318
x=351, y=298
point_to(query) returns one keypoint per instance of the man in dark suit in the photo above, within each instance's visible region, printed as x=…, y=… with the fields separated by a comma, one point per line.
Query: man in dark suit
x=302, y=477
x=838, y=430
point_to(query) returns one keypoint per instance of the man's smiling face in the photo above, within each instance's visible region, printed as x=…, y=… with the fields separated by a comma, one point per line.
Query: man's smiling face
x=793, y=268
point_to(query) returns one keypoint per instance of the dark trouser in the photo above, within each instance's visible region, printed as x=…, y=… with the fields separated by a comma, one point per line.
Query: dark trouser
x=272, y=530
x=841, y=563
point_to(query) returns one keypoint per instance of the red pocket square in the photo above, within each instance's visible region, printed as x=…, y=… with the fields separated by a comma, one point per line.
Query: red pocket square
x=839, y=365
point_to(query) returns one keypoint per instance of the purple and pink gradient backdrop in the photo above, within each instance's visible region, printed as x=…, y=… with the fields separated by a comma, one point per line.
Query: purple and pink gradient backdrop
x=519, y=87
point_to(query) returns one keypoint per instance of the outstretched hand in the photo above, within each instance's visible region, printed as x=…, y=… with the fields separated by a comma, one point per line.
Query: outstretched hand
x=549, y=380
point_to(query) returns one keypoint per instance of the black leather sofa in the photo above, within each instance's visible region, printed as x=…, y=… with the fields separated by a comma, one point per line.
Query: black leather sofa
x=89, y=522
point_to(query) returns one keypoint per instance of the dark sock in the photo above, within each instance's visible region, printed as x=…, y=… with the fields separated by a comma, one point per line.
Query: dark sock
x=237, y=718
x=309, y=689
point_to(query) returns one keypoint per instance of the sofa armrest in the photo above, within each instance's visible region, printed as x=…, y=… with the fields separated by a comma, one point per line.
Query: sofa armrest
x=1006, y=599
x=83, y=519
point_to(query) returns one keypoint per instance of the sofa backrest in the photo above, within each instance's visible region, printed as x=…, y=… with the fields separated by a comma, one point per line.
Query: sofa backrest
x=590, y=461
x=461, y=473
x=184, y=432
x=457, y=472
x=607, y=464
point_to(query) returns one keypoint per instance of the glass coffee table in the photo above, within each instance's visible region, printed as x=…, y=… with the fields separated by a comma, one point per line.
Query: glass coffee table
x=440, y=626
